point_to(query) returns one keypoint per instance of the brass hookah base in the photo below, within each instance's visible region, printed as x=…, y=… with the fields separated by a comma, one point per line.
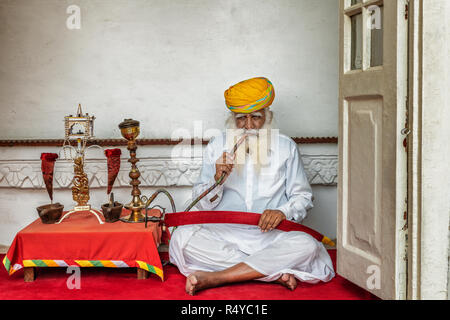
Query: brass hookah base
x=136, y=206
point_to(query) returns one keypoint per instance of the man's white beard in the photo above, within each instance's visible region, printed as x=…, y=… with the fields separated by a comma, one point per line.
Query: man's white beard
x=257, y=144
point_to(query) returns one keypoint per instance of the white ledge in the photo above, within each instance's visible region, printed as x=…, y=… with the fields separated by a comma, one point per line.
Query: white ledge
x=26, y=174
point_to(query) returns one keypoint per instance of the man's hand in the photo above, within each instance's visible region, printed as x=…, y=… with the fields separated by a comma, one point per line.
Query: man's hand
x=270, y=219
x=224, y=164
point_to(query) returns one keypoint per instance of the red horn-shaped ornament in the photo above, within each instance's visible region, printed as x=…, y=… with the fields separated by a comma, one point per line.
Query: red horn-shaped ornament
x=47, y=167
x=113, y=162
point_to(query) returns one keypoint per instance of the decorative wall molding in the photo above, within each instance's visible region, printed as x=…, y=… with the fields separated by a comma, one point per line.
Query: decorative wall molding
x=141, y=142
x=167, y=172
x=321, y=169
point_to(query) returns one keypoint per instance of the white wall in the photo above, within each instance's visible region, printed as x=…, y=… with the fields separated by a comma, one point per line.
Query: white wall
x=166, y=64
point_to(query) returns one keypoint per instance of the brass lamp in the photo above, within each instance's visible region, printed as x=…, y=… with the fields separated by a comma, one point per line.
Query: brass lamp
x=129, y=129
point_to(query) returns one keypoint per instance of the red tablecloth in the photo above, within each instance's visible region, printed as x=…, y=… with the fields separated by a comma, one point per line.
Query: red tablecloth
x=81, y=241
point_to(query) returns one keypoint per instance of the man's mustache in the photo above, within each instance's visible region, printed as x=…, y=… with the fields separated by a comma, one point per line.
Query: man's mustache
x=248, y=132
x=251, y=132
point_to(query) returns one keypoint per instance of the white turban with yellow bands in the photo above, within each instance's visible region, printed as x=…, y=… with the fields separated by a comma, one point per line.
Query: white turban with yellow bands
x=250, y=95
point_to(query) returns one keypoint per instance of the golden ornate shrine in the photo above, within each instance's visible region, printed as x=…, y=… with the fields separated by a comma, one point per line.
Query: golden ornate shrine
x=81, y=128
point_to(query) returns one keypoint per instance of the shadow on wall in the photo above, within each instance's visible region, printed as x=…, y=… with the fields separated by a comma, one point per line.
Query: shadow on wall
x=323, y=217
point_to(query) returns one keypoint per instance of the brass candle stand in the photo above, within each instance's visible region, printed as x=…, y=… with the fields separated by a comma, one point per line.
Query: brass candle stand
x=129, y=129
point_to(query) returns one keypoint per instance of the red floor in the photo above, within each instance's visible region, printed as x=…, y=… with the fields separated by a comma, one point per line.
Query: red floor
x=110, y=284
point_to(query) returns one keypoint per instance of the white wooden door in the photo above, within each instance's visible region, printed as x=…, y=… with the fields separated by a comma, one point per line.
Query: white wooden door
x=372, y=159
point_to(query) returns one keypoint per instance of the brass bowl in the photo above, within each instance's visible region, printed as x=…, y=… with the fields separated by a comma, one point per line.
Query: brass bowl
x=129, y=129
x=112, y=214
x=50, y=213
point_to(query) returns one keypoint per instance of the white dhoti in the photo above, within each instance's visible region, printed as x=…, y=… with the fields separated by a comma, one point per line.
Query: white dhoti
x=215, y=247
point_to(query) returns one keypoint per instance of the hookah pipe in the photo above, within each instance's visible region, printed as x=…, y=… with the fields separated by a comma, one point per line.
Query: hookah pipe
x=148, y=201
x=219, y=181
x=250, y=218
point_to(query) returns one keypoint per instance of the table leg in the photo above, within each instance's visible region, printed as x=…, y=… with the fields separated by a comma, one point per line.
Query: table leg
x=29, y=274
x=142, y=274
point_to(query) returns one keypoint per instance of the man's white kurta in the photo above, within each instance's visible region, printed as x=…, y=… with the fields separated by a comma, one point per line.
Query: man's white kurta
x=280, y=185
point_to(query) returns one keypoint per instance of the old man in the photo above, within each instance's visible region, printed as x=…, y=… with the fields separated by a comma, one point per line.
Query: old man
x=266, y=176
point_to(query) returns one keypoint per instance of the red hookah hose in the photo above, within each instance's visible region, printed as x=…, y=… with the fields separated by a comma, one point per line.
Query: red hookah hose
x=182, y=218
x=234, y=217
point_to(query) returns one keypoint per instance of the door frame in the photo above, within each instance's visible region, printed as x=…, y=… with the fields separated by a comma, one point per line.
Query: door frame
x=428, y=146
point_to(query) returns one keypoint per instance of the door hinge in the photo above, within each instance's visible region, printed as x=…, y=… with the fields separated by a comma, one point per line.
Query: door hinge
x=406, y=11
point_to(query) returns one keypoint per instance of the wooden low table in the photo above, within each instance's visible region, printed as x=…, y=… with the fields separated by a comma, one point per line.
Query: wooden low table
x=82, y=242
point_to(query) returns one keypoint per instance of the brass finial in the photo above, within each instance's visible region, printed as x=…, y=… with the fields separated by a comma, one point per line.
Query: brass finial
x=79, y=112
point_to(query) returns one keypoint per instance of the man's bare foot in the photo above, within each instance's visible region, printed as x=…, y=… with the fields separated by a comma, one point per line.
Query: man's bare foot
x=288, y=280
x=200, y=280
x=191, y=282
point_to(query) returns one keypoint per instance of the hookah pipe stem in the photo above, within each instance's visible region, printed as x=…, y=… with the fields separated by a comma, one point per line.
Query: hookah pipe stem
x=148, y=201
x=219, y=181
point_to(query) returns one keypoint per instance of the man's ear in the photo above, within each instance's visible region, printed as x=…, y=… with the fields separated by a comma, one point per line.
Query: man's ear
x=269, y=116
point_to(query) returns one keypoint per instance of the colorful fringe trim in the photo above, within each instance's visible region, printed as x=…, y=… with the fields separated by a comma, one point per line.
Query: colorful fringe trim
x=82, y=263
